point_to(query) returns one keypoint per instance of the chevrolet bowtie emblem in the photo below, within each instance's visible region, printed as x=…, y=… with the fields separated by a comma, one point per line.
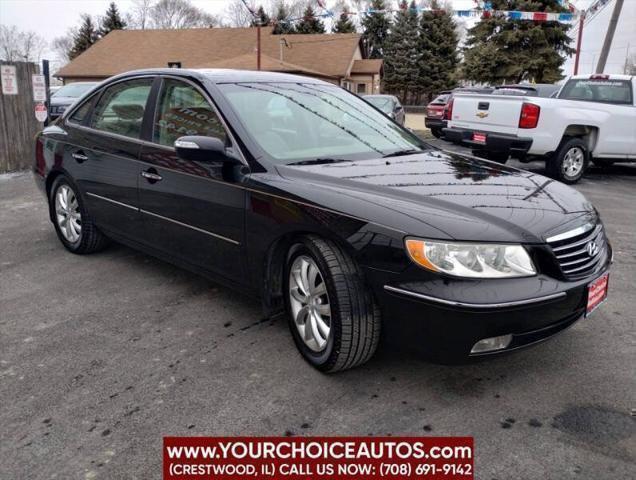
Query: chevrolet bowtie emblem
x=482, y=114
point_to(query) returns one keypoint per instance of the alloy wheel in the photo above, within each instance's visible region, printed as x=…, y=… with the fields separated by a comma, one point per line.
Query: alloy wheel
x=67, y=213
x=309, y=302
x=573, y=162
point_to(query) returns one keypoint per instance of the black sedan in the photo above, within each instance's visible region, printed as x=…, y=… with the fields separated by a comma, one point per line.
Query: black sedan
x=302, y=194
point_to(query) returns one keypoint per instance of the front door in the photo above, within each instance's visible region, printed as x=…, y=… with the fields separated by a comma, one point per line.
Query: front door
x=193, y=211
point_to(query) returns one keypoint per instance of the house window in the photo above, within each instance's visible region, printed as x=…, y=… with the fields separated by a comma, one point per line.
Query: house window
x=362, y=88
x=346, y=85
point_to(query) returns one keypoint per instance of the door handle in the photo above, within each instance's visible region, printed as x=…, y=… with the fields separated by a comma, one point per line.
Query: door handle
x=79, y=157
x=151, y=175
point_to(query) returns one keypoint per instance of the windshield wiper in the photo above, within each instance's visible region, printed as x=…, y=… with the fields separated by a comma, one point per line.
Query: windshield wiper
x=319, y=161
x=401, y=153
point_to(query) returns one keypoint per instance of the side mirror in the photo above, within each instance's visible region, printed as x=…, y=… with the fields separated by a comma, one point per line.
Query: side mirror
x=203, y=149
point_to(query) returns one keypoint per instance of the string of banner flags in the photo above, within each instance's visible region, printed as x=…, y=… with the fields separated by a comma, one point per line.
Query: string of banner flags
x=483, y=9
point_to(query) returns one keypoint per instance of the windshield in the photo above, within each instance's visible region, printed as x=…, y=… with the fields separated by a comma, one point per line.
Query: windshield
x=383, y=103
x=598, y=90
x=74, y=90
x=294, y=122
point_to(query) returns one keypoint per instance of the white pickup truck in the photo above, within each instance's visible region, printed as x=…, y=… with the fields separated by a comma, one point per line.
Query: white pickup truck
x=593, y=117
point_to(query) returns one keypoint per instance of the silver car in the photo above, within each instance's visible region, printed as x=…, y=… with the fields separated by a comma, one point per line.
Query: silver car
x=389, y=105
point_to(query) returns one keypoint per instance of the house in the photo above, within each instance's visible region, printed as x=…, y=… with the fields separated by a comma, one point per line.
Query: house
x=335, y=58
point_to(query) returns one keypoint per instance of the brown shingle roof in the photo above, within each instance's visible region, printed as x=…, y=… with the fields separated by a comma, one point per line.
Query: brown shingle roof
x=123, y=50
x=366, y=66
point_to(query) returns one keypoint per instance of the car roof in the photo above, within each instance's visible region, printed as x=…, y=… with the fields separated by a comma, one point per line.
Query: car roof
x=222, y=75
x=610, y=76
x=379, y=95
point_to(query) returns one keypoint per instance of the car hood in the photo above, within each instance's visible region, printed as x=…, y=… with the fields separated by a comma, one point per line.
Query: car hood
x=57, y=101
x=443, y=195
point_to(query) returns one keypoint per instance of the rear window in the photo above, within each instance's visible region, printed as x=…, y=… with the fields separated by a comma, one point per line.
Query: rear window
x=443, y=99
x=598, y=90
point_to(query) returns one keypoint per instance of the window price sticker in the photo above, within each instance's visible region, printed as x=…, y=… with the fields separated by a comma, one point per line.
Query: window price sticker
x=333, y=458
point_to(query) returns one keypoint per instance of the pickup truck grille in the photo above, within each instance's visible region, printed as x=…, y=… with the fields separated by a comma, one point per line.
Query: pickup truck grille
x=583, y=253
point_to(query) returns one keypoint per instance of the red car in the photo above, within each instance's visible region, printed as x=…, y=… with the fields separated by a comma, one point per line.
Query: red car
x=434, y=119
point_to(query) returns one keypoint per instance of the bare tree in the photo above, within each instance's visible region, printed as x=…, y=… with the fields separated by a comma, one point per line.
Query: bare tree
x=237, y=15
x=16, y=45
x=179, y=14
x=63, y=44
x=139, y=16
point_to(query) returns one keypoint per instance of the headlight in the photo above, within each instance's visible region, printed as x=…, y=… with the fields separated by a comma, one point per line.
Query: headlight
x=474, y=260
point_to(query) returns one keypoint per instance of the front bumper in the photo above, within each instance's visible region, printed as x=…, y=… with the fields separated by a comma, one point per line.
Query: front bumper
x=444, y=319
x=495, y=142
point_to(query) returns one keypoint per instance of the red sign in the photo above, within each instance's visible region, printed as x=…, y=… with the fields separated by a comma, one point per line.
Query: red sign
x=41, y=112
x=479, y=137
x=597, y=292
x=328, y=458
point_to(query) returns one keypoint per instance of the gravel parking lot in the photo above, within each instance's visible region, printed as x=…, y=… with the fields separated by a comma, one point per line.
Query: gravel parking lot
x=102, y=355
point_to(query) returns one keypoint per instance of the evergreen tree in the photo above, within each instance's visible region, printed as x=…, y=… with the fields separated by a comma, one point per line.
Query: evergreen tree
x=86, y=36
x=401, y=56
x=375, y=30
x=310, y=23
x=438, y=51
x=111, y=21
x=500, y=50
x=282, y=26
x=261, y=18
x=344, y=23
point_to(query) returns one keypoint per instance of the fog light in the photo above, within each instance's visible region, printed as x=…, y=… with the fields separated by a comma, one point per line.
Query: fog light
x=491, y=344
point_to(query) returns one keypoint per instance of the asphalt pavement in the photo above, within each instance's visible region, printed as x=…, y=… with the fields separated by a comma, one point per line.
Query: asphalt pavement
x=102, y=355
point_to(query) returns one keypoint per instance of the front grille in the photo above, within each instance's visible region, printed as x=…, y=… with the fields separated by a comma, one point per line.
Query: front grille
x=575, y=253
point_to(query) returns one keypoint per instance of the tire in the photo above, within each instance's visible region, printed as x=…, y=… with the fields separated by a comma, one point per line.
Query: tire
x=569, y=162
x=78, y=233
x=499, y=157
x=437, y=132
x=354, y=318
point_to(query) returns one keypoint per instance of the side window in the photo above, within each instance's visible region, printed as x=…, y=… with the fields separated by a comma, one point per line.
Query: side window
x=82, y=112
x=182, y=111
x=121, y=108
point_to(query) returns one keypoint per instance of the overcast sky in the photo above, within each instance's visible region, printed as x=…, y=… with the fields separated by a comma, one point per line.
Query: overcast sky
x=51, y=18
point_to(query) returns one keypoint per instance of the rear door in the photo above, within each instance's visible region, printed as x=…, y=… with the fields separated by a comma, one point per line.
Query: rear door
x=193, y=211
x=103, y=153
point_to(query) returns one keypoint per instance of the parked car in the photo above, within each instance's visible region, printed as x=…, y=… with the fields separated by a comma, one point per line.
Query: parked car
x=593, y=117
x=66, y=96
x=339, y=216
x=434, y=119
x=546, y=90
x=389, y=104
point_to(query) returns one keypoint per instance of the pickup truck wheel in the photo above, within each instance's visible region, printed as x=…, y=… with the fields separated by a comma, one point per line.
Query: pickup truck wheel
x=570, y=161
x=499, y=157
x=437, y=132
x=332, y=316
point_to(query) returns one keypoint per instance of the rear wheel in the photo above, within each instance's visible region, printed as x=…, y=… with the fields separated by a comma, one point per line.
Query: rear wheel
x=569, y=162
x=437, y=132
x=73, y=224
x=332, y=316
x=499, y=157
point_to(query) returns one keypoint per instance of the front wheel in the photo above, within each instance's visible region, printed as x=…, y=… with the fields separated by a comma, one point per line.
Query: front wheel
x=569, y=162
x=332, y=316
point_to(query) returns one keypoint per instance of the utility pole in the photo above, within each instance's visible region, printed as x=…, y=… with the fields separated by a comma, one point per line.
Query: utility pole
x=578, y=43
x=609, y=36
x=258, y=44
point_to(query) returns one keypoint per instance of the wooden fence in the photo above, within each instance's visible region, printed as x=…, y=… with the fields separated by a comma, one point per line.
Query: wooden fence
x=18, y=125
